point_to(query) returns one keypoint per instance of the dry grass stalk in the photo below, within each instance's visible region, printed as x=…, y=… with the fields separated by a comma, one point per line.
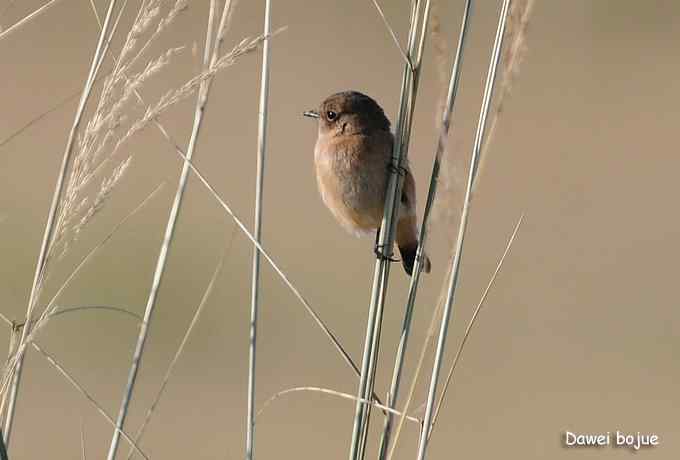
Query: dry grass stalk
x=83, y=450
x=69, y=378
x=462, y=229
x=167, y=239
x=263, y=115
x=89, y=397
x=513, y=54
x=512, y=58
x=183, y=342
x=52, y=309
x=472, y=321
x=516, y=37
x=72, y=208
x=4, y=33
x=335, y=393
x=13, y=373
x=449, y=180
x=185, y=91
x=445, y=122
x=211, y=64
x=419, y=21
x=389, y=28
x=106, y=122
x=296, y=292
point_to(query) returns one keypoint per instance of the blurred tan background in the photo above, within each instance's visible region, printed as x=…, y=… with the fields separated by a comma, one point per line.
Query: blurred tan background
x=578, y=334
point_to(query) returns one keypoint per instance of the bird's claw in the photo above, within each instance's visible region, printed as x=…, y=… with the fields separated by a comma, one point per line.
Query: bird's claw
x=379, y=251
x=397, y=169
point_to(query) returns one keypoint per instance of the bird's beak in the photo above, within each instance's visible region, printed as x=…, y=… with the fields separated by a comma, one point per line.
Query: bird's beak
x=311, y=114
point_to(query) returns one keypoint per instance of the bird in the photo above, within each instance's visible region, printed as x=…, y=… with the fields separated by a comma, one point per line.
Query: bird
x=353, y=160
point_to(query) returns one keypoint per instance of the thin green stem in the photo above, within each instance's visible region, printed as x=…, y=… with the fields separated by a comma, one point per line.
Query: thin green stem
x=415, y=277
x=259, y=185
x=455, y=266
x=419, y=20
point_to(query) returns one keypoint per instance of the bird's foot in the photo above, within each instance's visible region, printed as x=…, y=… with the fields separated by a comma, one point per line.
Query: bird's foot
x=396, y=168
x=379, y=251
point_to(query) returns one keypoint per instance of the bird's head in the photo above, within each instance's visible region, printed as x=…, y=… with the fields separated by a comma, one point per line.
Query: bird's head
x=349, y=112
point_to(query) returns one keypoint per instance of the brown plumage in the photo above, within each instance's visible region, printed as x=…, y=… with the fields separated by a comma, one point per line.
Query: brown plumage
x=352, y=155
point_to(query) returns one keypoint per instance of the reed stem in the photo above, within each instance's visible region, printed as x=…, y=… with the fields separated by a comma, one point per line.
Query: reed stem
x=431, y=194
x=259, y=185
x=418, y=28
x=455, y=266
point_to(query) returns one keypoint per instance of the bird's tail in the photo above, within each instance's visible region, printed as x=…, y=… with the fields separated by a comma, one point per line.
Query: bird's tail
x=407, y=240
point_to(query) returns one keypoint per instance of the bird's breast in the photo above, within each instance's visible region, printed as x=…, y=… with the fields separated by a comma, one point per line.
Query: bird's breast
x=351, y=180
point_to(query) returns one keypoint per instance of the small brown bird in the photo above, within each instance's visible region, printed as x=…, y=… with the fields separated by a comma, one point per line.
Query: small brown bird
x=353, y=157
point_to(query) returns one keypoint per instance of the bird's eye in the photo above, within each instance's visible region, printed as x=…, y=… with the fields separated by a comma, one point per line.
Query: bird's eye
x=331, y=115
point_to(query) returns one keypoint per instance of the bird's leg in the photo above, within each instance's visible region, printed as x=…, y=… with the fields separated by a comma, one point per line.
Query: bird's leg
x=395, y=167
x=379, y=249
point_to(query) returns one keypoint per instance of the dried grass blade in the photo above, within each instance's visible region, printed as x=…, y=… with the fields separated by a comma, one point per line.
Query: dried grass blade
x=334, y=393
x=22, y=22
x=185, y=339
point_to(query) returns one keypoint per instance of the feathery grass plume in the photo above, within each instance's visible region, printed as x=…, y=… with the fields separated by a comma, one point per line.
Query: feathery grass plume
x=513, y=54
x=246, y=46
x=13, y=373
x=450, y=179
x=72, y=209
x=101, y=129
x=107, y=186
x=105, y=124
x=512, y=58
x=331, y=336
x=439, y=52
